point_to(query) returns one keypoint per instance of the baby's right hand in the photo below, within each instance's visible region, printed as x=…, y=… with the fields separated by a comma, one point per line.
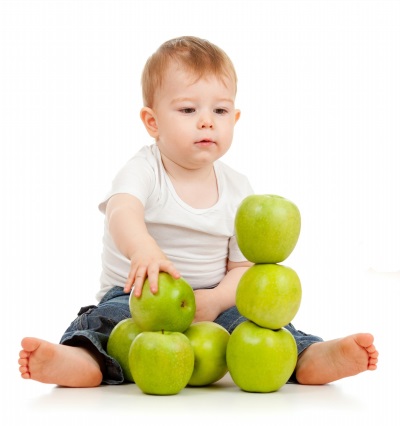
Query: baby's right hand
x=148, y=268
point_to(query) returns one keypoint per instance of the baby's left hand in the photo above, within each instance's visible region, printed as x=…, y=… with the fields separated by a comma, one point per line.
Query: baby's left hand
x=207, y=306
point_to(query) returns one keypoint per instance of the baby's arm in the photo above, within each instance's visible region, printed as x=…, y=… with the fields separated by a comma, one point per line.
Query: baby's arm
x=211, y=302
x=125, y=215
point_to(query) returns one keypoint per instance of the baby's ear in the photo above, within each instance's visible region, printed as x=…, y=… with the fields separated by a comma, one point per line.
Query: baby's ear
x=237, y=115
x=148, y=117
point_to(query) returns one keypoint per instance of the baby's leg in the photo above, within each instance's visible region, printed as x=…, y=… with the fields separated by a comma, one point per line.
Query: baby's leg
x=328, y=361
x=81, y=360
x=321, y=362
x=58, y=364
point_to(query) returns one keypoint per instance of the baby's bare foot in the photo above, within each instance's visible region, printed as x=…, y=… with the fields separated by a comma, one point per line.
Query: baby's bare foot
x=328, y=361
x=58, y=364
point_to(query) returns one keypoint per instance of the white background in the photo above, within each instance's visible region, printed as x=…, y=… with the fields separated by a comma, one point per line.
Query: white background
x=319, y=91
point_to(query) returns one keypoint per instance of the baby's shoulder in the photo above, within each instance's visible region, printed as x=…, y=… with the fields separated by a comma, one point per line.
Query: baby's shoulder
x=230, y=174
x=234, y=183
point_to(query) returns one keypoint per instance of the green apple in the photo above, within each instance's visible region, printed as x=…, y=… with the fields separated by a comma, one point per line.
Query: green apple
x=267, y=228
x=209, y=341
x=260, y=359
x=269, y=295
x=161, y=363
x=119, y=343
x=172, y=308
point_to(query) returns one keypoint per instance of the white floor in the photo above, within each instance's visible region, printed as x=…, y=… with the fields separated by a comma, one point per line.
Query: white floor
x=367, y=398
x=364, y=398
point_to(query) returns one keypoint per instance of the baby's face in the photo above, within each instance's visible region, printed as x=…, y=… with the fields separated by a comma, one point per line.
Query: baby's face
x=195, y=117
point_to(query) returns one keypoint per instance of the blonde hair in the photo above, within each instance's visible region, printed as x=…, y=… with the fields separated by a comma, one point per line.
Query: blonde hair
x=196, y=55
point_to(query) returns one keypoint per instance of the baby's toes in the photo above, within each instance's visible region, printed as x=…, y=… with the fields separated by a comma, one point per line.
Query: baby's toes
x=23, y=369
x=23, y=361
x=24, y=354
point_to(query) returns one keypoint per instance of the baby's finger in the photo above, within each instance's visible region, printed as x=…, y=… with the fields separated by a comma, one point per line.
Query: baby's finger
x=152, y=274
x=129, y=281
x=128, y=285
x=140, y=277
x=170, y=268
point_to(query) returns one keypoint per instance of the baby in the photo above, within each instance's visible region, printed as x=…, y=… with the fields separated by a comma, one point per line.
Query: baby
x=171, y=208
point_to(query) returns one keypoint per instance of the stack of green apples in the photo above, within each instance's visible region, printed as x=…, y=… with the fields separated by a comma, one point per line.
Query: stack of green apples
x=160, y=348
x=261, y=353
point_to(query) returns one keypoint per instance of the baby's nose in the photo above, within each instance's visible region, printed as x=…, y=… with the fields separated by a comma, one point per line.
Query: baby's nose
x=206, y=122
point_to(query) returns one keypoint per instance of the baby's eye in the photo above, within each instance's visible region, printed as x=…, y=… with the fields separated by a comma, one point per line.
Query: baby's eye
x=220, y=111
x=187, y=110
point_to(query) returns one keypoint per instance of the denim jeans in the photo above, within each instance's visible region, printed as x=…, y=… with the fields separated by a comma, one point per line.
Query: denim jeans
x=94, y=324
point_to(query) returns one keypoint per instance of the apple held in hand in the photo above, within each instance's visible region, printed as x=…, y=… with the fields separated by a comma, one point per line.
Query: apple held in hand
x=269, y=295
x=161, y=363
x=172, y=308
x=119, y=343
x=209, y=341
x=260, y=359
x=267, y=228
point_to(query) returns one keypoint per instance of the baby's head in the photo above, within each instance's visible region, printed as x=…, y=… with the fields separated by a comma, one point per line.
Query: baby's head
x=197, y=56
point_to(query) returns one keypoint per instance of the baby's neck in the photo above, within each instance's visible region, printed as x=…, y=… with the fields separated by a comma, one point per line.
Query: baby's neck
x=198, y=188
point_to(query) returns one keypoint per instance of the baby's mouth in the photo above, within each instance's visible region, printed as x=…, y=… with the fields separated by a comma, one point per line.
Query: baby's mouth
x=205, y=142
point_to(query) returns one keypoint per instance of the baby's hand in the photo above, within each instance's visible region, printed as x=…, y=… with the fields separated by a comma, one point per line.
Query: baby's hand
x=148, y=268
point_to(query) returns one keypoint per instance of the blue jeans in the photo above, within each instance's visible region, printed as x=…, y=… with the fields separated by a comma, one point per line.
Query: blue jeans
x=94, y=324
